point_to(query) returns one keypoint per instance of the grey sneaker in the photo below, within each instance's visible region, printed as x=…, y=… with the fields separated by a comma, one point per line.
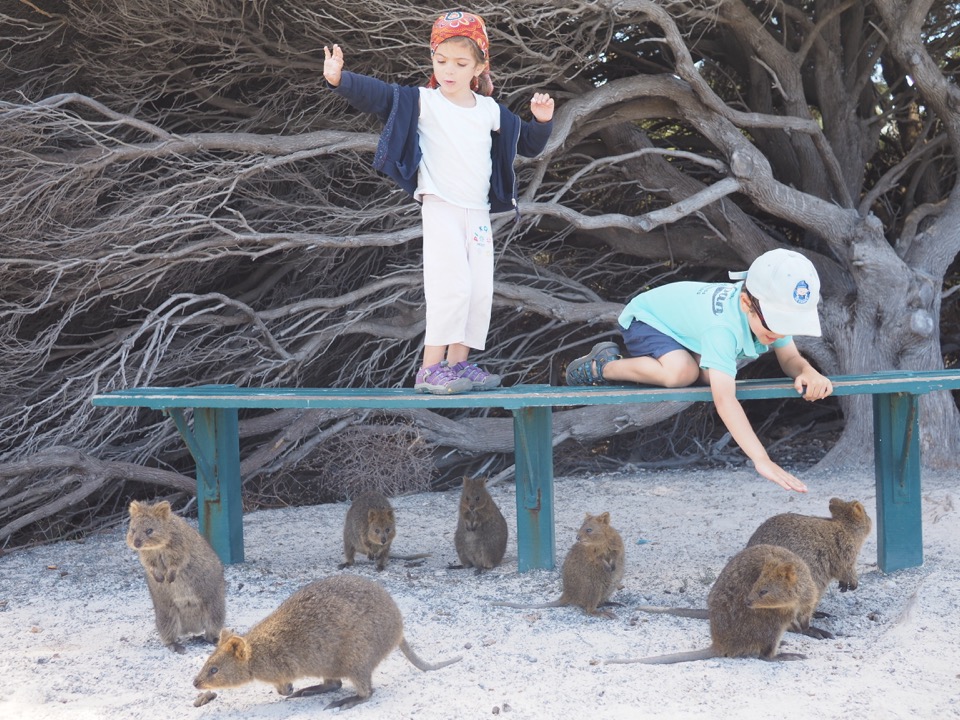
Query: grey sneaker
x=440, y=379
x=481, y=379
x=588, y=370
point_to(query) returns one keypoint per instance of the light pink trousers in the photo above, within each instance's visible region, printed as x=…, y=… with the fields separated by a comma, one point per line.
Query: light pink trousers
x=457, y=273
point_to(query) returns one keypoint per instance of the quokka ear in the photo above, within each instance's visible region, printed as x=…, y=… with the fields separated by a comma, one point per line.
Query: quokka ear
x=239, y=647
x=788, y=572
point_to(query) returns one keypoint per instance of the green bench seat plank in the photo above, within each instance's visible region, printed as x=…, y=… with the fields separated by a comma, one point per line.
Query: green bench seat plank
x=214, y=443
x=511, y=398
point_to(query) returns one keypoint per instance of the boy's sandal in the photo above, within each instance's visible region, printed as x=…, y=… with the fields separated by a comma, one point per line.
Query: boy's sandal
x=588, y=370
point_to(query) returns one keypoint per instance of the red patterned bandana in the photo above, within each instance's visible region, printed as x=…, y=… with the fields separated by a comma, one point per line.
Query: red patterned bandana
x=461, y=24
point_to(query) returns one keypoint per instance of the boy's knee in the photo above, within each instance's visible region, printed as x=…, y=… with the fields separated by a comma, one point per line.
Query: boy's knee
x=680, y=379
x=680, y=371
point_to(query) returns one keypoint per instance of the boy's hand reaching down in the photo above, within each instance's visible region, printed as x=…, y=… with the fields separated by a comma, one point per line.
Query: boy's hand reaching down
x=773, y=472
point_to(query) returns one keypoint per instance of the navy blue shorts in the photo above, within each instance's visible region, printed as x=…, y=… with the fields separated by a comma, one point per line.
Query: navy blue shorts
x=641, y=340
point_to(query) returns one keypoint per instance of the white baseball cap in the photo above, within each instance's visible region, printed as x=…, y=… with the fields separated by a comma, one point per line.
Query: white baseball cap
x=787, y=286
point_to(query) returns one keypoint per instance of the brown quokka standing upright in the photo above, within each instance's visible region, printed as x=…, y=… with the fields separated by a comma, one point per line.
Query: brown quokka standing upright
x=370, y=527
x=184, y=574
x=592, y=569
x=481, y=535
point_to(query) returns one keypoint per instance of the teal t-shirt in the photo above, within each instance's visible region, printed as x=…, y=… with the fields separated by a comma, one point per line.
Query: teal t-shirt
x=703, y=317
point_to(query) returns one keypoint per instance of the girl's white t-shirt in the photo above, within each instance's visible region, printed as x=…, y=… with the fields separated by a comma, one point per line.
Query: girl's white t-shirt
x=455, y=141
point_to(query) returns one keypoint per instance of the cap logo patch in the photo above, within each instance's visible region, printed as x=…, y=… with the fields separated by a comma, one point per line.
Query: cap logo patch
x=801, y=293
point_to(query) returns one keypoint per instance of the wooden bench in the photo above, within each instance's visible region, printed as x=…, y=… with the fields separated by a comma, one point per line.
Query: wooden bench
x=214, y=441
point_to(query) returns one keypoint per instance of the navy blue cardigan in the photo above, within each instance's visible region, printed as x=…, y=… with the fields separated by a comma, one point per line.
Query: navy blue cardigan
x=398, y=151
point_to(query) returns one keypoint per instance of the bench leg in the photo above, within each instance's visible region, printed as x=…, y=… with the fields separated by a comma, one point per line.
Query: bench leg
x=214, y=443
x=896, y=441
x=533, y=455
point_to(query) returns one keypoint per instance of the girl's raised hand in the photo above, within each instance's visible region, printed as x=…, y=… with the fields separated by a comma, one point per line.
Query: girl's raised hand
x=332, y=64
x=542, y=107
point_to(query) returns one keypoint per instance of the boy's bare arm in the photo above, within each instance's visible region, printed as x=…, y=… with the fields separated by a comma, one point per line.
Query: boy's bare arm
x=723, y=388
x=808, y=382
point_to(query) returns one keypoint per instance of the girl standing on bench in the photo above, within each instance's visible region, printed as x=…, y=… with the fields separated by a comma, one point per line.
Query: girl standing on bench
x=452, y=147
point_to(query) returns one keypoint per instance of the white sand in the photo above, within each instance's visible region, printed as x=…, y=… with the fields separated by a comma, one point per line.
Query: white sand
x=77, y=638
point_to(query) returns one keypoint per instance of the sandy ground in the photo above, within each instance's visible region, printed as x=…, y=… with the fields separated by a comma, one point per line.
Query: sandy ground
x=78, y=638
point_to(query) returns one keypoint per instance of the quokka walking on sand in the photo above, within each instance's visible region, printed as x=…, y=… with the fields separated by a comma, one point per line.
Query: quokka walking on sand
x=184, y=574
x=339, y=627
x=592, y=570
x=760, y=592
x=829, y=546
x=481, y=535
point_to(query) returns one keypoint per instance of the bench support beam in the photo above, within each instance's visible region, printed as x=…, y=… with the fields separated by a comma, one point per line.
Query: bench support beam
x=214, y=443
x=896, y=443
x=533, y=455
